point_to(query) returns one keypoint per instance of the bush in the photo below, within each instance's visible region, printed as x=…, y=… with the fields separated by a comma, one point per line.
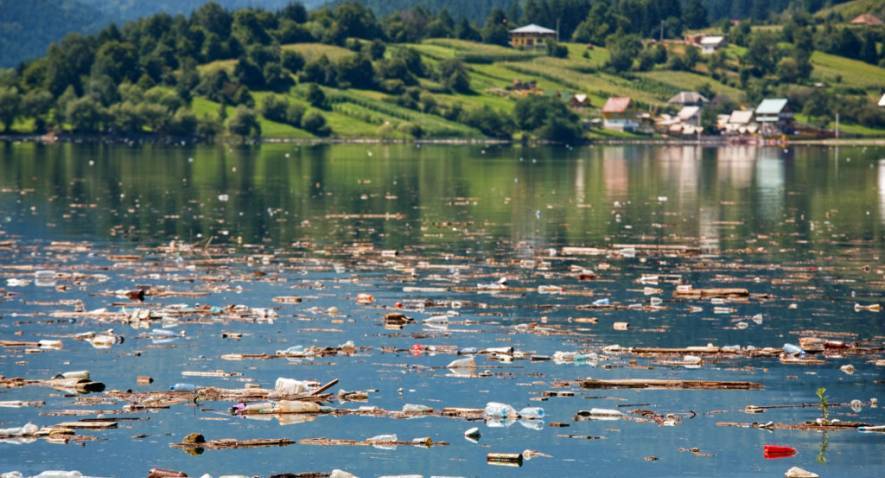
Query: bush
x=292, y=61
x=316, y=124
x=244, y=123
x=489, y=122
x=556, y=50
x=547, y=118
x=453, y=75
x=316, y=97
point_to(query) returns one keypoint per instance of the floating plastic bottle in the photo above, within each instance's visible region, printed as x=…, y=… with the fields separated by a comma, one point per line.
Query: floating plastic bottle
x=532, y=413
x=499, y=410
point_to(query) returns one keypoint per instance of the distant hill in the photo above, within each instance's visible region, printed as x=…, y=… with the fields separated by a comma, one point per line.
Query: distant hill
x=27, y=27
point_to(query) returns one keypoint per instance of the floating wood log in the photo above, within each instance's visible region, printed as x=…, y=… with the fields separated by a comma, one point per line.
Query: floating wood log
x=807, y=426
x=688, y=292
x=669, y=384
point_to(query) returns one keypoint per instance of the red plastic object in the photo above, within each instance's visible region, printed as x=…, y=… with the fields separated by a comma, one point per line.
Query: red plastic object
x=417, y=349
x=772, y=452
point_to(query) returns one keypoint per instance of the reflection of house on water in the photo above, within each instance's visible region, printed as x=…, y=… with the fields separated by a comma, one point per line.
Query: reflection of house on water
x=882, y=190
x=734, y=164
x=770, y=185
x=679, y=166
x=614, y=172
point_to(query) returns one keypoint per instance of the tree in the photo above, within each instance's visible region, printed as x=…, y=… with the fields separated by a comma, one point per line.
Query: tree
x=352, y=19
x=356, y=72
x=316, y=124
x=694, y=15
x=36, y=103
x=85, y=115
x=10, y=106
x=692, y=56
x=490, y=122
x=377, y=49
x=495, y=29
x=316, y=97
x=249, y=74
x=294, y=11
x=548, y=118
x=277, y=108
x=453, y=75
x=118, y=60
x=244, y=123
x=275, y=78
x=623, y=50
x=465, y=31
x=292, y=61
x=183, y=123
x=214, y=19
x=817, y=107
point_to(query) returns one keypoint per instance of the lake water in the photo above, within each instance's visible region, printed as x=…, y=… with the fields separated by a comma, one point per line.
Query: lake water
x=804, y=225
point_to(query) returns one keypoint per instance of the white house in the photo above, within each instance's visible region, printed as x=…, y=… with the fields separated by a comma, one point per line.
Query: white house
x=709, y=44
x=774, y=116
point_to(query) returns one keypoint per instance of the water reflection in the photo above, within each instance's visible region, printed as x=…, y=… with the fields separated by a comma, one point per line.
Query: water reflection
x=285, y=193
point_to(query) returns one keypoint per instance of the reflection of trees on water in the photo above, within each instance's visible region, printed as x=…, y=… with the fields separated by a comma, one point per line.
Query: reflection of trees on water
x=451, y=196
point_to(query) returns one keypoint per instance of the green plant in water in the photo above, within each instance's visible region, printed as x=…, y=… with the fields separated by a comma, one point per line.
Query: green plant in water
x=824, y=403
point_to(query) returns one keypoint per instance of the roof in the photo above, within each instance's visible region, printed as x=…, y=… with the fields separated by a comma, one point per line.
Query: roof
x=712, y=41
x=688, y=98
x=688, y=112
x=771, y=106
x=616, y=104
x=740, y=117
x=532, y=28
x=866, y=19
x=882, y=100
x=580, y=97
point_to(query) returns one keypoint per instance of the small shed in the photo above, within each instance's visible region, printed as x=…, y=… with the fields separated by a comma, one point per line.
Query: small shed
x=688, y=98
x=579, y=100
x=709, y=44
x=618, y=114
x=531, y=36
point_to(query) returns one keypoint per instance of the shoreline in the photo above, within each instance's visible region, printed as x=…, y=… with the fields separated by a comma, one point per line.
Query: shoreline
x=710, y=141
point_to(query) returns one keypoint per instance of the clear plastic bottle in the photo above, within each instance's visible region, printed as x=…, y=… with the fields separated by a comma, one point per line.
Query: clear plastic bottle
x=499, y=410
x=532, y=413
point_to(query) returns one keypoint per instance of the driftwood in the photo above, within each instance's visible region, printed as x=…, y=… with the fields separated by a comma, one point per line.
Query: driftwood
x=418, y=442
x=77, y=385
x=807, y=426
x=688, y=292
x=196, y=442
x=669, y=384
x=163, y=399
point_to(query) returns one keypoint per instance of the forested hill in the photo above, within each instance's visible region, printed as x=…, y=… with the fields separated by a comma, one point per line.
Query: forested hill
x=28, y=27
x=715, y=9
